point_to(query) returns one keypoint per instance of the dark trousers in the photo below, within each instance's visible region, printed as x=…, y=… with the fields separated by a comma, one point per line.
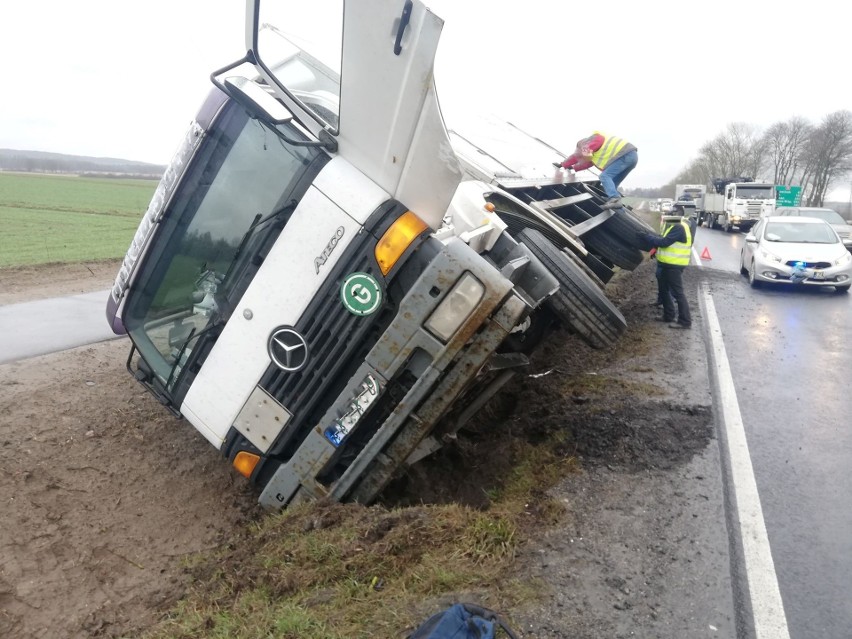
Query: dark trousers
x=659, y=276
x=671, y=286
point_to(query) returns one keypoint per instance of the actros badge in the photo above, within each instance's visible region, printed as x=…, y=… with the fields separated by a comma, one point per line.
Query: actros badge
x=288, y=349
x=361, y=294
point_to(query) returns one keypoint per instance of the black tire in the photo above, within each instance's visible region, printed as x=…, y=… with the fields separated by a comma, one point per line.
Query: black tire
x=752, y=280
x=516, y=222
x=624, y=224
x=743, y=269
x=603, y=242
x=579, y=303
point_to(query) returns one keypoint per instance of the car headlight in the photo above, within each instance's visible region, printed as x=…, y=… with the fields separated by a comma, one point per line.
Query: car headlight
x=770, y=256
x=843, y=259
x=456, y=307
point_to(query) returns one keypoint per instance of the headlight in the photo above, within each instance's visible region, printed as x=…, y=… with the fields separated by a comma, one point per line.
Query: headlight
x=769, y=256
x=843, y=259
x=456, y=307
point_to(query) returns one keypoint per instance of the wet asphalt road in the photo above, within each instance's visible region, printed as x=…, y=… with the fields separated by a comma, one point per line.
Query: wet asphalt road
x=790, y=357
x=46, y=326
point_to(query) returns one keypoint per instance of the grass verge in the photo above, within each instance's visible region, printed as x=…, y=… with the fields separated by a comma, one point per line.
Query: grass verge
x=328, y=570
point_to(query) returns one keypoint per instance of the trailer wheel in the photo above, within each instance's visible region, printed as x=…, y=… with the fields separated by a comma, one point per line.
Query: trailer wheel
x=601, y=240
x=578, y=303
x=625, y=224
x=613, y=249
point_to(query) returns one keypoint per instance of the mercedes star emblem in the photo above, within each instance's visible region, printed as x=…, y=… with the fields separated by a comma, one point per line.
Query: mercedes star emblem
x=288, y=349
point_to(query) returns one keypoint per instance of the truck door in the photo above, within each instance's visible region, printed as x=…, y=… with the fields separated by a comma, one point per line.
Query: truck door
x=378, y=99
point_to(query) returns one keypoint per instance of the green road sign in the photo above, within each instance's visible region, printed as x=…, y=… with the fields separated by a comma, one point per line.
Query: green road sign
x=788, y=195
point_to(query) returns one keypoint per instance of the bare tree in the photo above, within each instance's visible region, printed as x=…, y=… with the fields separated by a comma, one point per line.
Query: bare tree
x=739, y=151
x=785, y=142
x=696, y=172
x=827, y=156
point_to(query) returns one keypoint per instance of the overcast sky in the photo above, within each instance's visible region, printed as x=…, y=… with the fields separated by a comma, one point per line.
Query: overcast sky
x=123, y=79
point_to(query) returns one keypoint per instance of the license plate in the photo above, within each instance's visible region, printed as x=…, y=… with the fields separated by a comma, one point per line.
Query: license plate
x=819, y=275
x=365, y=396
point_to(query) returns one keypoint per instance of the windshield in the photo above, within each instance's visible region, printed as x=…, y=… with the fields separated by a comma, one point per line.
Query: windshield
x=758, y=192
x=800, y=233
x=242, y=174
x=830, y=216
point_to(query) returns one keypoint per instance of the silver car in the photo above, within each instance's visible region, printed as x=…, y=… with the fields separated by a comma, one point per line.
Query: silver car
x=843, y=228
x=798, y=250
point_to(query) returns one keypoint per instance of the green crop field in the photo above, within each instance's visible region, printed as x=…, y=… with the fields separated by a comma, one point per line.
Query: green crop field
x=61, y=218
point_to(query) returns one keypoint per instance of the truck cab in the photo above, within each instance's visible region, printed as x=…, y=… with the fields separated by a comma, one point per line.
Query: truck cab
x=313, y=286
x=737, y=203
x=746, y=203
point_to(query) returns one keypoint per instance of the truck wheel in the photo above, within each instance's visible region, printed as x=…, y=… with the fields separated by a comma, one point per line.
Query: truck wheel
x=625, y=225
x=613, y=249
x=602, y=241
x=578, y=303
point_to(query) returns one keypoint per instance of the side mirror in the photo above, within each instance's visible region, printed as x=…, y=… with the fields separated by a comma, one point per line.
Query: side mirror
x=250, y=94
x=751, y=238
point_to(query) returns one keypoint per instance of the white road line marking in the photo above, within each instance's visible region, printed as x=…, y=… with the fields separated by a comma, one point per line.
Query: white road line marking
x=770, y=622
x=696, y=258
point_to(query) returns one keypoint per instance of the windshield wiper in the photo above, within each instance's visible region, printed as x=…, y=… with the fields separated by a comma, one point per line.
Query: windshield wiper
x=257, y=223
x=224, y=306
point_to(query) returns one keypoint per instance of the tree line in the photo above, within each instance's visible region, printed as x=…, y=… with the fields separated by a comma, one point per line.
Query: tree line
x=795, y=152
x=45, y=162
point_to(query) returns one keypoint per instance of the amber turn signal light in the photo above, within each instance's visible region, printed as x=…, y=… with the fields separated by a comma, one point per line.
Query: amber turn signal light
x=245, y=463
x=398, y=238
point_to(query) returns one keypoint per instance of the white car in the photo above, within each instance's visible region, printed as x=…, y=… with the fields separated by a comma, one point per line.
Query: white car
x=797, y=250
x=843, y=227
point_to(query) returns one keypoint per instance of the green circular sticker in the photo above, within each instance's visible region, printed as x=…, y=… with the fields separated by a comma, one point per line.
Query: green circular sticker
x=361, y=293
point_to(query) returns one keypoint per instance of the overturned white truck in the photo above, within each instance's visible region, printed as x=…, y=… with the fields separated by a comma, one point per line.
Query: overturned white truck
x=327, y=288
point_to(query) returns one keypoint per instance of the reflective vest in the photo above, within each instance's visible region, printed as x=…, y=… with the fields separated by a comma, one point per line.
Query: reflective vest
x=678, y=253
x=610, y=149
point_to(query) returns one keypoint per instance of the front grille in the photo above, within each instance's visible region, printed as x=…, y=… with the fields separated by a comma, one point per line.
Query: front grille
x=337, y=340
x=794, y=264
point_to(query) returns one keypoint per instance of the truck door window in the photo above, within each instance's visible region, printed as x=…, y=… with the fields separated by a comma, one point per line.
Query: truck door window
x=306, y=65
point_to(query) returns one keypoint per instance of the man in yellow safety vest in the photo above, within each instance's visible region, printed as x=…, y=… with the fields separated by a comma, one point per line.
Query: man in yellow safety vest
x=614, y=156
x=674, y=248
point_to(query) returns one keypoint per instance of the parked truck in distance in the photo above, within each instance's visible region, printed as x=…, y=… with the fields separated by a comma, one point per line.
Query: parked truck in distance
x=737, y=202
x=694, y=192
x=327, y=286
